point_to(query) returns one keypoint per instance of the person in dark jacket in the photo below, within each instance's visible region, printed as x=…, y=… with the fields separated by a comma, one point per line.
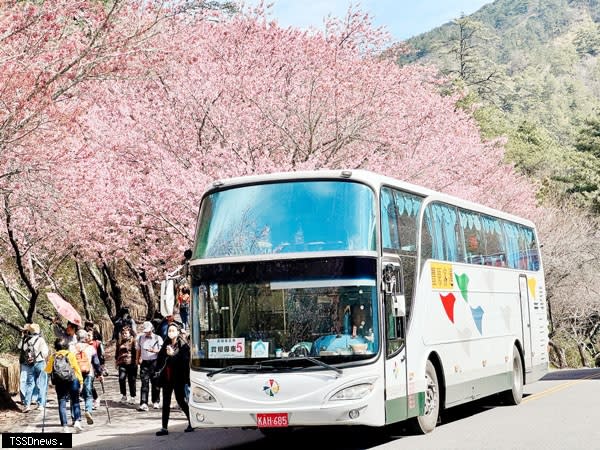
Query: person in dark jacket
x=174, y=367
x=123, y=321
x=126, y=364
x=164, y=326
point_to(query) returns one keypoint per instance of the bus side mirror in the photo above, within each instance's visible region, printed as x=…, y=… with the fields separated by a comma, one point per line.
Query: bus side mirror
x=389, y=279
x=391, y=287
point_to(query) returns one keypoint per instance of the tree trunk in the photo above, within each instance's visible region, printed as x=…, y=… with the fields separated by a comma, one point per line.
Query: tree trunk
x=559, y=353
x=103, y=292
x=14, y=326
x=82, y=292
x=12, y=296
x=28, y=281
x=581, y=349
x=115, y=287
x=145, y=289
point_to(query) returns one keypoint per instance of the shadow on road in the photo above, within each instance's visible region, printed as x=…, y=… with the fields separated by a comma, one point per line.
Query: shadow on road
x=573, y=374
x=354, y=438
x=347, y=438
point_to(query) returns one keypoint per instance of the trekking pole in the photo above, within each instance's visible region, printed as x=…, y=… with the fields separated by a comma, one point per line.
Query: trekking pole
x=46, y=405
x=105, y=401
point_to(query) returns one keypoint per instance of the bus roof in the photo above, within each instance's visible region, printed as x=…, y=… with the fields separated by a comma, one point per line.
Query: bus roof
x=372, y=179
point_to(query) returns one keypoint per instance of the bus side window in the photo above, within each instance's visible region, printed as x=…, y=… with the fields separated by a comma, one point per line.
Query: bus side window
x=440, y=222
x=473, y=237
x=399, y=211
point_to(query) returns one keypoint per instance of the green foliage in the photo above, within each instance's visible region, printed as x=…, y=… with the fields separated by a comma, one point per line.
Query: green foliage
x=544, y=86
x=588, y=140
x=587, y=40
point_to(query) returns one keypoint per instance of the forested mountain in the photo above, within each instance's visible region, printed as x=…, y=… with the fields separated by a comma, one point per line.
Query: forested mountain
x=535, y=65
x=531, y=72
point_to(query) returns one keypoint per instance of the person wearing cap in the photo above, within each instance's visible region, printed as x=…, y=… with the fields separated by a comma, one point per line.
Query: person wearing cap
x=33, y=377
x=148, y=346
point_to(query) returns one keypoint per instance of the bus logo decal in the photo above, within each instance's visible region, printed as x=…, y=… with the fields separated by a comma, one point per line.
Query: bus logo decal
x=448, y=302
x=271, y=388
x=463, y=284
x=477, y=317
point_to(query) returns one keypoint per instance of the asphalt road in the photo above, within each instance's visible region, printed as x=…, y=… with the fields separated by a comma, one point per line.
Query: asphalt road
x=559, y=412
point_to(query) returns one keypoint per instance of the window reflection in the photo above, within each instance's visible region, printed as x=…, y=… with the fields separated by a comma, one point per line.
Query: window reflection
x=286, y=217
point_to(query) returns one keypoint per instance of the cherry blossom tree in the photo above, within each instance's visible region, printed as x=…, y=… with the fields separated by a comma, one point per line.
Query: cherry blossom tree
x=131, y=110
x=48, y=52
x=245, y=96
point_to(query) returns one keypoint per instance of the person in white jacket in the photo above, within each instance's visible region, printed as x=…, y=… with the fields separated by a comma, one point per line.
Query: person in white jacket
x=34, y=351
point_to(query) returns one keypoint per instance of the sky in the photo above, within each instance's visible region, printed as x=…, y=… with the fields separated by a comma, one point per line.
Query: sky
x=402, y=18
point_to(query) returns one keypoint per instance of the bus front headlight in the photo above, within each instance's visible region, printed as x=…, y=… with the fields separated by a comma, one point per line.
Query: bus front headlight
x=199, y=395
x=355, y=392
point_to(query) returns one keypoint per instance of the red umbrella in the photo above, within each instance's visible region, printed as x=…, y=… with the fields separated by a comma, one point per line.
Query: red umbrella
x=64, y=308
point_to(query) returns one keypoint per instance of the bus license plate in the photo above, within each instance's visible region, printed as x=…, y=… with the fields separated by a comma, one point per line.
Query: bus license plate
x=272, y=420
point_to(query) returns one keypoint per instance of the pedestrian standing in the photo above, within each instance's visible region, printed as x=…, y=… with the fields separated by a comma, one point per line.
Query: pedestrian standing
x=68, y=334
x=148, y=346
x=95, y=340
x=67, y=380
x=174, y=373
x=126, y=364
x=124, y=320
x=183, y=301
x=165, y=323
x=34, y=351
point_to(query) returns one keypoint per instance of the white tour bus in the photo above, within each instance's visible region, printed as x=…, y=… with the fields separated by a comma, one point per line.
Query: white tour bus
x=347, y=297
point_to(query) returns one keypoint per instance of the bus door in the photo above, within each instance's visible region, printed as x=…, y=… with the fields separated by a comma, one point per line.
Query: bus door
x=525, y=321
x=394, y=320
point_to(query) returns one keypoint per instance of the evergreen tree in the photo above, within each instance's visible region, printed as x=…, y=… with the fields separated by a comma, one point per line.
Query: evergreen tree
x=588, y=140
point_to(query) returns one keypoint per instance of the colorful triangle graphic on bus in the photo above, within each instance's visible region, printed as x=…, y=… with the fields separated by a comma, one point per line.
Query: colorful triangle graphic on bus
x=478, y=317
x=463, y=285
x=448, y=302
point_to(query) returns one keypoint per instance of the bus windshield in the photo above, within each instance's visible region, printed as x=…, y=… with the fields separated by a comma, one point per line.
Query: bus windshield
x=247, y=312
x=285, y=217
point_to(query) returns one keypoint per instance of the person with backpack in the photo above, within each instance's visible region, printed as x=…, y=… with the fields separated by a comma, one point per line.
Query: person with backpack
x=126, y=364
x=67, y=379
x=148, y=346
x=33, y=354
x=90, y=368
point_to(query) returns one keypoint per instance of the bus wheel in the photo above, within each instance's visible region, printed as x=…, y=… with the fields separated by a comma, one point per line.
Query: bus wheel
x=514, y=395
x=427, y=422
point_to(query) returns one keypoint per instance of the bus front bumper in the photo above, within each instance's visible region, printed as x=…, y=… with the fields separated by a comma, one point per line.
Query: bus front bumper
x=339, y=413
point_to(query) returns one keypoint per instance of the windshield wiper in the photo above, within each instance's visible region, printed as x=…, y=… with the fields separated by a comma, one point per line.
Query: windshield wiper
x=315, y=361
x=239, y=368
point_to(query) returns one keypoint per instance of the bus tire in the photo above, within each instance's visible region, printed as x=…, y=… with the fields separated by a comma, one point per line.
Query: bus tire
x=514, y=395
x=426, y=423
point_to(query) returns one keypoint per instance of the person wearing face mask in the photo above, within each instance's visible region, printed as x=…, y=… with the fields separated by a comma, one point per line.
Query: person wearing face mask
x=174, y=373
x=126, y=364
